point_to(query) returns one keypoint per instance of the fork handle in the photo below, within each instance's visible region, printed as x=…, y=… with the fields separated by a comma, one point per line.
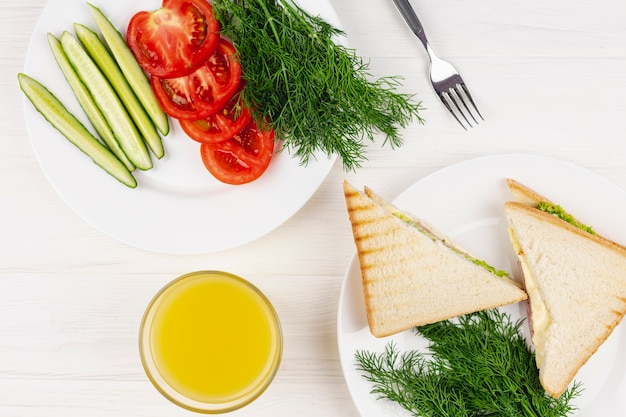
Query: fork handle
x=407, y=12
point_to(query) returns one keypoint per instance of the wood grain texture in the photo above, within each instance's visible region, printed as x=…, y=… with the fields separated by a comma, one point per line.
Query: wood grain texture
x=550, y=78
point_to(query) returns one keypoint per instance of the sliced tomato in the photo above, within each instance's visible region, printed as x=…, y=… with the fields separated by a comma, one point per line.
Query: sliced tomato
x=174, y=40
x=220, y=126
x=241, y=159
x=206, y=90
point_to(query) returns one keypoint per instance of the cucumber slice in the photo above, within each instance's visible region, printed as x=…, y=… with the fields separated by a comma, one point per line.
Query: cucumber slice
x=85, y=100
x=107, y=100
x=134, y=73
x=102, y=57
x=65, y=122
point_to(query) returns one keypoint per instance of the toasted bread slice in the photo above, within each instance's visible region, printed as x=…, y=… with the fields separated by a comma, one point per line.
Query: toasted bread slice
x=410, y=276
x=576, y=283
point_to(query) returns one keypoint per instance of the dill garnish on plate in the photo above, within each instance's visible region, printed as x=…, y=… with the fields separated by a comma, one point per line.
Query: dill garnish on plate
x=315, y=93
x=477, y=365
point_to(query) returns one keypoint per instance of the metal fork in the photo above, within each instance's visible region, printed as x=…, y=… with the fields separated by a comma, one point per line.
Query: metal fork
x=445, y=79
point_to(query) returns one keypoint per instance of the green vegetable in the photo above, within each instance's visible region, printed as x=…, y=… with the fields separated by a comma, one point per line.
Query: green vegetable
x=131, y=69
x=57, y=114
x=558, y=211
x=107, y=101
x=100, y=54
x=434, y=238
x=316, y=94
x=87, y=103
x=480, y=366
x=488, y=267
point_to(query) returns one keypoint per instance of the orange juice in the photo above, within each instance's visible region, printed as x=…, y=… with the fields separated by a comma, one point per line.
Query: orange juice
x=210, y=341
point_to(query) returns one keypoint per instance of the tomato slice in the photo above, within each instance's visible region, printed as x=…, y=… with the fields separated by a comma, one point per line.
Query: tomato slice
x=206, y=90
x=241, y=159
x=220, y=126
x=174, y=40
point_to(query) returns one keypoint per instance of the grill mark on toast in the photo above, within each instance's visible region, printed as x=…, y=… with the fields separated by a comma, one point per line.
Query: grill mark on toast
x=366, y=253
x=373, y=250
x=375, y=234
x=365, y=222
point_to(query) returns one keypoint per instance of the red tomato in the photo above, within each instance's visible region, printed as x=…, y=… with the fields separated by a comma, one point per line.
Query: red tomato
x=241, y=159
x=203, y=92
x=175, y=39
x=220, y=126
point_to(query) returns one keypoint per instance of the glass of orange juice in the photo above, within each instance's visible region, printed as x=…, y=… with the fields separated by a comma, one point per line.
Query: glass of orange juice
x=210, y=342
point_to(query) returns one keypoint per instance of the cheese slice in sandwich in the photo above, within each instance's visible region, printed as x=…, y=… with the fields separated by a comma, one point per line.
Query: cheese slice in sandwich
x=411, y=275
x=576, y=284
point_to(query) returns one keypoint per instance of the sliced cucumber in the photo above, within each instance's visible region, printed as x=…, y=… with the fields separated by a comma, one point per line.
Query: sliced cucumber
x=132, y=71
x=101, y=56
x=107, y=100
x=65, y=122
x=86, y=102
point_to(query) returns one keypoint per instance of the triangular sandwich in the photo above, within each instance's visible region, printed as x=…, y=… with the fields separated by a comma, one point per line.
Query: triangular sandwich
x=576, y=284
x=411, y=275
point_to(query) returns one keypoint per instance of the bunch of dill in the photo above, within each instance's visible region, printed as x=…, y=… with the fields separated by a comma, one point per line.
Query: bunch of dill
x=317, y=94
x=480, y=365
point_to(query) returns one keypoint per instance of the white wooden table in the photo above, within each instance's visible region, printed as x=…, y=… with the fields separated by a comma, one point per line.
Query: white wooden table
x=549, y=77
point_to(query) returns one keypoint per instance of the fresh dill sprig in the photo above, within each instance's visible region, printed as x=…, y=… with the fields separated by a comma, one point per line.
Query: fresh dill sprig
x=317, y=94
x=478, y=365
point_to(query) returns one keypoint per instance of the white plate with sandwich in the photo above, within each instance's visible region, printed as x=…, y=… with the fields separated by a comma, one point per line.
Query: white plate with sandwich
x=466, y=203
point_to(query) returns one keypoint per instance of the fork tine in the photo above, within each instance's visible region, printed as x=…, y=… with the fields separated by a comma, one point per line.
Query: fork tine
x=455, y=98
x=469, y=97
x=445, y=99
x=458, y=91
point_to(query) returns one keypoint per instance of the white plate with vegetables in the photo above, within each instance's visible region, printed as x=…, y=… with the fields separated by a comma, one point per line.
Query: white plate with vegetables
x=465, y=201
x=177, y=206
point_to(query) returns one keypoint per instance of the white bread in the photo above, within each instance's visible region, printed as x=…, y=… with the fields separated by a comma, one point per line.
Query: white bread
x=525, y=195
x=580, y=281
x=410, y=278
